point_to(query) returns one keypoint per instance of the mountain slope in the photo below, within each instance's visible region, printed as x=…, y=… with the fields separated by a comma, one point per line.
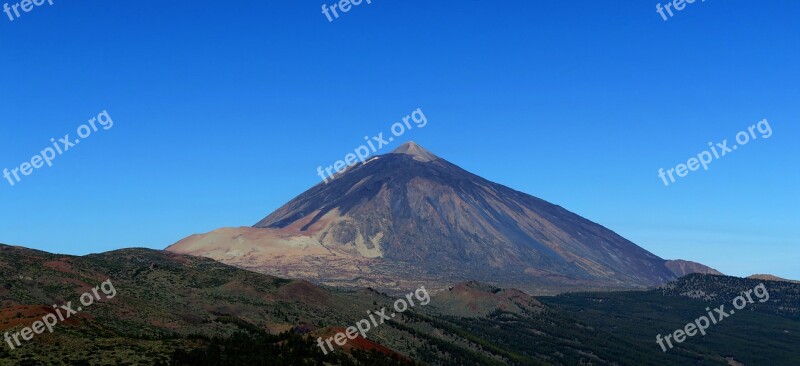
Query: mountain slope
x=411, y=212
x=682, y=268
x=165, y=303
x=180, y=310
x=768, y=277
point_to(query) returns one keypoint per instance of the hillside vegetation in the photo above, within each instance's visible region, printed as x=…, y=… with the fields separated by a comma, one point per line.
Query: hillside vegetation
x=173, y=309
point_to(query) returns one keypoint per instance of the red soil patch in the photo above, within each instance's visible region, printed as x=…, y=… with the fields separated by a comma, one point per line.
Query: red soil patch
x=25, y=315
x=304, y=291
x=62, y=265
x=359, y=343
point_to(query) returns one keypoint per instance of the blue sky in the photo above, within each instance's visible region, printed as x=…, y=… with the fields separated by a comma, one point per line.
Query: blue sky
x=222, y=112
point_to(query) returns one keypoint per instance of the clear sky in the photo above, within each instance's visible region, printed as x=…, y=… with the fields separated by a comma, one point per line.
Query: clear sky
x=222, y=112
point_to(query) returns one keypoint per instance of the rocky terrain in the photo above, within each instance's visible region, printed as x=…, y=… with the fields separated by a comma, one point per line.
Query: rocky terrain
x=173, y=309
x=412, y=216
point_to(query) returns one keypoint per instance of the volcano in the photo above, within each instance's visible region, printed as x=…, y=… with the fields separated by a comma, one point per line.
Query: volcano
x=410, y=217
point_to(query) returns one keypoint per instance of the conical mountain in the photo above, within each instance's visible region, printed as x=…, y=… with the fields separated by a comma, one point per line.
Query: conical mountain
x=410, y=216
x=418, y=152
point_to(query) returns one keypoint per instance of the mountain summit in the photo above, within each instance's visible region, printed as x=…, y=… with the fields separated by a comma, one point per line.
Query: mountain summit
x=409, y=216
x=418, y=152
